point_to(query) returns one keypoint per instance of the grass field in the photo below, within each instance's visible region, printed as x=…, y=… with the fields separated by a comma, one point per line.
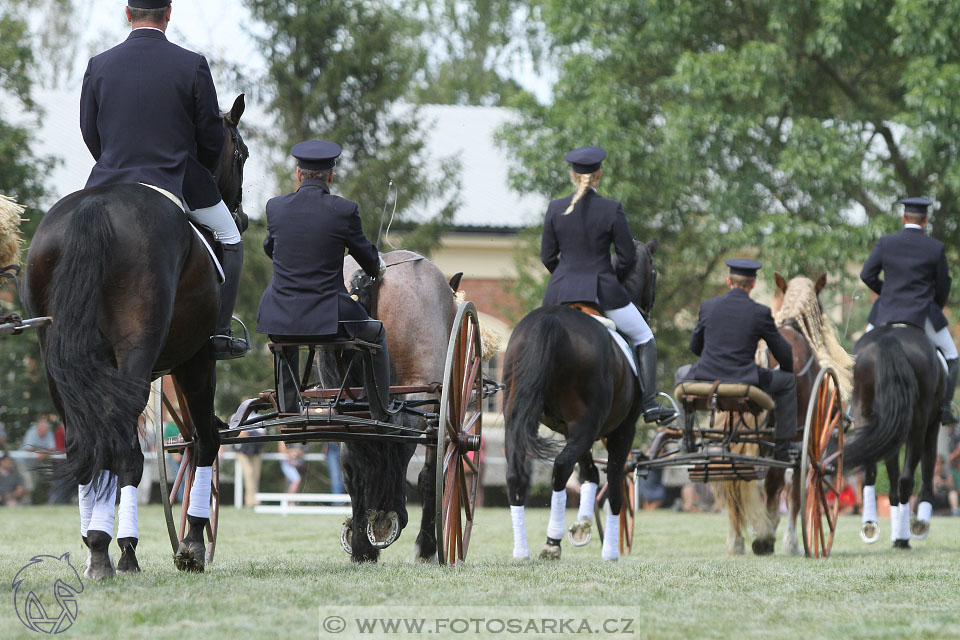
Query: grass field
x=273, y=576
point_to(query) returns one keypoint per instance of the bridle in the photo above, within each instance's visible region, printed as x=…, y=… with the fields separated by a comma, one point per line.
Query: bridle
x=236, y=167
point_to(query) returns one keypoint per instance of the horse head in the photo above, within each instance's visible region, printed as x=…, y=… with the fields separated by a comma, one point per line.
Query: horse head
x=641, y=281
x=234, y=155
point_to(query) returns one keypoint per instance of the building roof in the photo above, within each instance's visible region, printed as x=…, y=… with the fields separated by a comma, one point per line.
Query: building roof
x=462, y=132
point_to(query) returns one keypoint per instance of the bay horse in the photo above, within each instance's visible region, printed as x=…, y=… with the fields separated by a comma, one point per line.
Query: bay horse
x=563, y=369
x=417, y=306
x=898, y=385
x=134, y=294
x=812, y=336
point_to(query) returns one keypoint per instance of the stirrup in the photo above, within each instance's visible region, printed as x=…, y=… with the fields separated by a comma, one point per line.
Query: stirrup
x=234, y=347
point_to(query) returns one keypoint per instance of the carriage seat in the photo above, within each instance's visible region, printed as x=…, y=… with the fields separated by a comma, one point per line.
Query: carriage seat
x=730, y=396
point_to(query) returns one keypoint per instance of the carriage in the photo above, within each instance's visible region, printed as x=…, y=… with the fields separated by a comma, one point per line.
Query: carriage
x=726, y=433
x=14, y=323
x=453, y=419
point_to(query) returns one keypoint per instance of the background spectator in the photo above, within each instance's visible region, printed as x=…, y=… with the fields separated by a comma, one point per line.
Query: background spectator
x=944, y=488
x=11, y=484
x=62, y=491
x=250, y=463
x=293, y=465
x=651, y=489
x=40, y=443
x=333, y=466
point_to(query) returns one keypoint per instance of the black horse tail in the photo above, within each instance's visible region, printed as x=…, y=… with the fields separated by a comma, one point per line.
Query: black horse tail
x=895, y=395
x=526, y=380
x=100, y=406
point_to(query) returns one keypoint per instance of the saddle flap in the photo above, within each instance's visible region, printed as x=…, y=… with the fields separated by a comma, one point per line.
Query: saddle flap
x=730, y=395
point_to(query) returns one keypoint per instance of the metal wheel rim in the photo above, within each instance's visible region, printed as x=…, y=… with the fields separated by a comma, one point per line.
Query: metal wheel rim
x=465, y=313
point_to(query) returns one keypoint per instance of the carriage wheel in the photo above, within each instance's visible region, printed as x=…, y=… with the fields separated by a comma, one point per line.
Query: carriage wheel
x=458, y=437
x=821, y=466
x=628, y=512
x=176, y=516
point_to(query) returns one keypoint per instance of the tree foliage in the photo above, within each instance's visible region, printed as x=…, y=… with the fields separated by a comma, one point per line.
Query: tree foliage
x=786, y=130
x=339, y=71
x=23, y=393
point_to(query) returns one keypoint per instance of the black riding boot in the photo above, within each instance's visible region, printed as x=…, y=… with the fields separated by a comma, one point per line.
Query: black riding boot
x=225, y=345
x=647, y=364
x=946, y=413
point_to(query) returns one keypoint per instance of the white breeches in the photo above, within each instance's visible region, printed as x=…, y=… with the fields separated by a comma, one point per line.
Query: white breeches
x=218, y=220
x=630, y=322
x=940, y=339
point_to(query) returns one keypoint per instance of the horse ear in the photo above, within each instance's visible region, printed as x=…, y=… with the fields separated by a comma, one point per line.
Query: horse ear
x=455, y=281
x=821, y=283
x=652, y=246
x=236, y=111
x=781, y=283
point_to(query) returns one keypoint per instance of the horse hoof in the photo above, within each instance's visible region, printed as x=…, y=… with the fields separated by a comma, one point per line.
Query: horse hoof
x=190, y=556
x=346, y=536
x=99, y=570
x=550, y=552
x=579, y=533
x=919, y=528
x=869, y=532
x=762, y=546
x=128, y=563
x=901, y=544
x=383, y=529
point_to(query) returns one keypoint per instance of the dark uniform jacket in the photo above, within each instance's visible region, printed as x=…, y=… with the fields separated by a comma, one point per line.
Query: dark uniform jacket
x=307, y=232
x=728, y=330
x=916, y=280
x=149, y=113
x=575, y=248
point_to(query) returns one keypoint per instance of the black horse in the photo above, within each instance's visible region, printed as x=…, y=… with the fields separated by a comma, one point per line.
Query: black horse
x=134, y=294
x=898, y=384
x=561, y=368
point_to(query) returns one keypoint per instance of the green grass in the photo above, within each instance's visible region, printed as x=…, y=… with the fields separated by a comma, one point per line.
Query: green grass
x=272, y=576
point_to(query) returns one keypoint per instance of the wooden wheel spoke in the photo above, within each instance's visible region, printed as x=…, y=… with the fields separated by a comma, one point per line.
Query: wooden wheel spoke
x=472, y=422
x=470, y=463
x=452, y=432
x=465, y=495
x=468, y=383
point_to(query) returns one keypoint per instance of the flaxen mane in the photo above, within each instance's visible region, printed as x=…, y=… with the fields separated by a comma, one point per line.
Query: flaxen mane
x=800, y=305
x=9, y=231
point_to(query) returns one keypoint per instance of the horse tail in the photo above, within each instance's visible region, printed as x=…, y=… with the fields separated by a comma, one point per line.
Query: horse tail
x=526, y=376
x=96, y=400
x=895, y=394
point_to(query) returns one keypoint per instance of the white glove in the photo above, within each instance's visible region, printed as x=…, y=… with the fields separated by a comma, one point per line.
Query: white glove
x=382, y=268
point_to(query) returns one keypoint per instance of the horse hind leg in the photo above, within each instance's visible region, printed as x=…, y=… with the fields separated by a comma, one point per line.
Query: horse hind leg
x=354, y=534
x=920, y=525
x=577, y=445
x=579, y=533
x=618, y=448
x=791, y=541
x=425, y=547
x=731, y=494
x=869, y=527
x=518, y=486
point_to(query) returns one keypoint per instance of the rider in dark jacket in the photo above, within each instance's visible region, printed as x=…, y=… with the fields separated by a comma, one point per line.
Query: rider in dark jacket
x=306, y=301
x=149, y=114
x=726, y=336
x=575, y=248
x=915, y=287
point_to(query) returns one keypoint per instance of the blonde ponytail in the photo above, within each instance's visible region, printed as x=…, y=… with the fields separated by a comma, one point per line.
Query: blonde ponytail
x=582, y=181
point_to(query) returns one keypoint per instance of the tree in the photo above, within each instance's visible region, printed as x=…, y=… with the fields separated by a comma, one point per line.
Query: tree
x=472, y=45
x=340, y=71
x=23, y=393
x=779, y=129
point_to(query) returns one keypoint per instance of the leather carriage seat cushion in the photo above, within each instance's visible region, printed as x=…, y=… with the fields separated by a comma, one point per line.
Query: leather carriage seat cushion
x=724, y=390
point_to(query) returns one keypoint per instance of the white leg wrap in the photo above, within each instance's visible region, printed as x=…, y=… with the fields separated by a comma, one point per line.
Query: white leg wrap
x=924, y=511
x=893, y=522
x=104, y=505
x=520, y=548
x=588, y=495
x=85, y=500
x=903, y=522
x=200, y=493
x=127, y=524
x=611, y=538
x=869, y=503
x=558, y=504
